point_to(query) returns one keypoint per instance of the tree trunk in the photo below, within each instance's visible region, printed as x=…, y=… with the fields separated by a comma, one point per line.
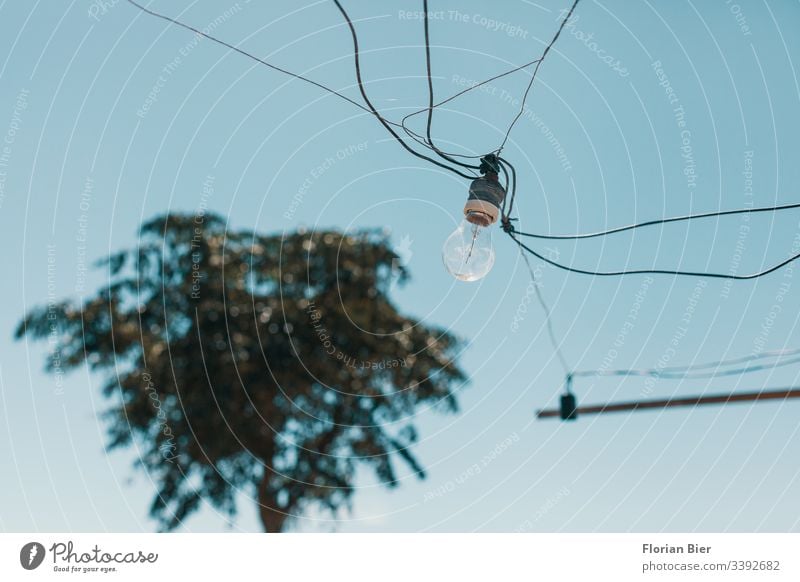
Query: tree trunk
x=272, y=518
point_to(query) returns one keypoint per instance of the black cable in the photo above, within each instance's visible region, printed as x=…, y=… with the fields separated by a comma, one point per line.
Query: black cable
x=513, y=233
x=440, y=153
x=512, y=193
x=507, y=181
x=533, y=76
x=660, y=221
x=507, y=169
x=510, y=231
x=375, y=111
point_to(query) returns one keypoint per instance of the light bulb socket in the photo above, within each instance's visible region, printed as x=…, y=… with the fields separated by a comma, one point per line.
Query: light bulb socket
x=490, y=164
x=486, y=196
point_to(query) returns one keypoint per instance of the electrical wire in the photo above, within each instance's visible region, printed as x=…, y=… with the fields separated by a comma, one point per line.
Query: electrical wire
x=659, y=221
x=508, y=227
x=688, y=373
x=420, y=139
x=536, y=62
x=247, y=54
x=693, y=401
x=468, y=89
x=533, y=76
x=506, y=180
x=548, y=317
x=511, y=194
x=653, y=271
x=692, y=367
x=383, y=122
x=429, y=140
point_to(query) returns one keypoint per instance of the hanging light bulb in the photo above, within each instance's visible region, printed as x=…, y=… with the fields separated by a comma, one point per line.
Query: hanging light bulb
x=468, y=253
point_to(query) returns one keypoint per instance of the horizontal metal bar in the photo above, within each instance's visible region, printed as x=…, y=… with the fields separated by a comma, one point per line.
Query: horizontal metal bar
x=774, y=394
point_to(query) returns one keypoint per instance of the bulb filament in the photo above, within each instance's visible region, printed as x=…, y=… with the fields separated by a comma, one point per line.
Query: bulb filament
x=472, y=245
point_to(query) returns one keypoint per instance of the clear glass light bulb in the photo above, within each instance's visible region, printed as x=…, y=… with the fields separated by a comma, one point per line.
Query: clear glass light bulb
x=468, y=253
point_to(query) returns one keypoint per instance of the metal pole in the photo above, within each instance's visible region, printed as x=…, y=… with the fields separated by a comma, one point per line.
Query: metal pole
x=775, y=394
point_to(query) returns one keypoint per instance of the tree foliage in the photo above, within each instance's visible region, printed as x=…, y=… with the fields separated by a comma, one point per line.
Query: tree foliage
x=273, y=365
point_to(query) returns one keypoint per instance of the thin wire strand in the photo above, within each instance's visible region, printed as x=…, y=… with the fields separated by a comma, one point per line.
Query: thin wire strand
x=659, y=221
x=688, y=374
x=419, y=138
x=248, y=55
x=692, y=367
x=654, y=271
x=369, y=109
x=533, y=76
x=548, y=318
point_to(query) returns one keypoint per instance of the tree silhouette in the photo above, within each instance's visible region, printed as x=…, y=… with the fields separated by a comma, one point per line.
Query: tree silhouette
x=272, y=365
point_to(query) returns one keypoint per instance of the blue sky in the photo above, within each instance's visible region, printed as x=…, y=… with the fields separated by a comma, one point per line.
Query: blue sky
x=642, y=110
